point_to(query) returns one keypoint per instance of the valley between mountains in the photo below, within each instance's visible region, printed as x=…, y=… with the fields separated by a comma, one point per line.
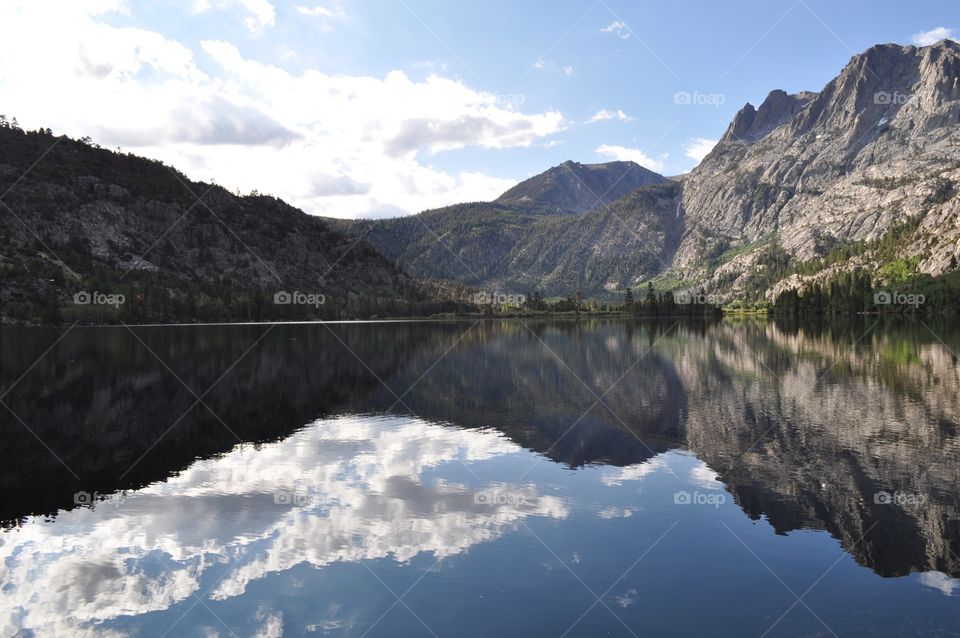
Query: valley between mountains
x=797, y=179
x=854, y=185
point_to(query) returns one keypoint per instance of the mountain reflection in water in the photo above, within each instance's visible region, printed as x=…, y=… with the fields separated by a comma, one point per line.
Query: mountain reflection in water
x=252, y=451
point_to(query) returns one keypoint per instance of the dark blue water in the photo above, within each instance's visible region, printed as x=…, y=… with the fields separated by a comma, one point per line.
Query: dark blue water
x=460, y=479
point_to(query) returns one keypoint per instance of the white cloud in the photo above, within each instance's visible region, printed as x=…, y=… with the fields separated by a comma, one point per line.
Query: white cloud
x=619, y=28
x=698, y=148
x=604, y=114
x=337, y=145
x=261, y=12
x=358, y=490
x=637, y=472
x=703, y=476
x=319, y=10
x=932, y=36
x=617, y=512
x=627, y=154
x=542, y=64
x=940, y=581
x=323, y=14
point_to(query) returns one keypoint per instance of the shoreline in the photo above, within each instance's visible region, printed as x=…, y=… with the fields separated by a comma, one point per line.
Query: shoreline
x=452, y=319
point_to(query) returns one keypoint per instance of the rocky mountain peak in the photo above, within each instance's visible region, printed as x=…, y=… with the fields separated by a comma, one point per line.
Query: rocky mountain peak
x=778, y=108
x=876, y=145
x=885, y=82
x=940, y=71
x=575, y=187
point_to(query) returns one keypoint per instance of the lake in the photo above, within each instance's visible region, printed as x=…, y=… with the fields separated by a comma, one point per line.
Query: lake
x=514, y=478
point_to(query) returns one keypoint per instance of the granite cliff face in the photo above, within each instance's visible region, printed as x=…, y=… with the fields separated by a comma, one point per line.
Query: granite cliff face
x=878, y=144
x=751, y=124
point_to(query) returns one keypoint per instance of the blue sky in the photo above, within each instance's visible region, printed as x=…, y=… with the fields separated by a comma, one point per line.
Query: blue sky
x=387, y=107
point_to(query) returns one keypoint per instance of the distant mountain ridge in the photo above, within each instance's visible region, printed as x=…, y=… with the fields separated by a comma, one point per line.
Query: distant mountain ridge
x=750, y=124
x=789, y=181
x=551, y=233
x=577, y=188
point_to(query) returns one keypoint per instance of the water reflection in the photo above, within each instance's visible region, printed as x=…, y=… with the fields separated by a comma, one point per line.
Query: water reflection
x=291, y=459
x=361, y=491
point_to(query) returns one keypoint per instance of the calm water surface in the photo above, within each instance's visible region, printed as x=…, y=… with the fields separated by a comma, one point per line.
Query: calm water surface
x=544, y=478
